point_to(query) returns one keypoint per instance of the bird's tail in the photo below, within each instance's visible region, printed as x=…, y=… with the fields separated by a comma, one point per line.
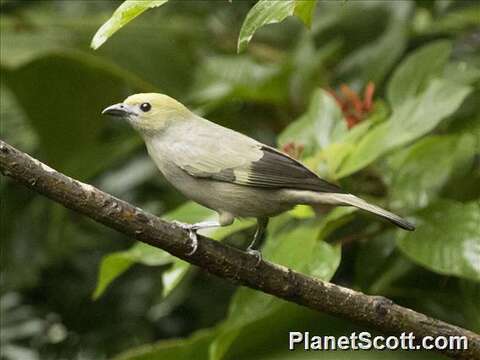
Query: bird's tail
x=349, y=199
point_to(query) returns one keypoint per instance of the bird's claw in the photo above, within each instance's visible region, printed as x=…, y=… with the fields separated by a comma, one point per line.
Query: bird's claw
x=256, y=253
x=192, y=234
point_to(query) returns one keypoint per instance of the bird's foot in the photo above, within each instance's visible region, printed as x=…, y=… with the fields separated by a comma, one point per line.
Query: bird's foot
x=192, y=234
x=256, y=253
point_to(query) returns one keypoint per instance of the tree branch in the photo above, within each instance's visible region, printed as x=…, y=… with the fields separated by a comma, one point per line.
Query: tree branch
x=227, y=262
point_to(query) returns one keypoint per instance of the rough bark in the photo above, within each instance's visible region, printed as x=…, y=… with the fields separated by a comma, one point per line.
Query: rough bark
x=227, y=262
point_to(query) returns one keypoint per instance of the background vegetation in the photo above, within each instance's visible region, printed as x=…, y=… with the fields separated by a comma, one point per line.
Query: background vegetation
x=380, y=97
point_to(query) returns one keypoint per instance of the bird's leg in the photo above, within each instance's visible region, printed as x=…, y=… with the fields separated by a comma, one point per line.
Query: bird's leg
x=224, y=220
x=192, y=231
x=261, y=226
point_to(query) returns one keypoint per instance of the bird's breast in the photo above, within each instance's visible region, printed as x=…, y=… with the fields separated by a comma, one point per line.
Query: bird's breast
x=177, y=177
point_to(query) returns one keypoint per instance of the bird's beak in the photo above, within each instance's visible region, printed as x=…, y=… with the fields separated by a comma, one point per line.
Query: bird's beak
x=118, y=110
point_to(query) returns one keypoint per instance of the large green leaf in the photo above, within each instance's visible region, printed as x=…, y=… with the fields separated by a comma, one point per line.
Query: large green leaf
x=299, y=246
x=447, y=239
x=413, y=118
x=419, y=172
x=416, y=71
x=63, y=96
x=115, y=264
x=125, y=13
x=266, y=12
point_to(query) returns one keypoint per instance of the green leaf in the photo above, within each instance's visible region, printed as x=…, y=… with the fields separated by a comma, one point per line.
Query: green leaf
x=266, y=12
x=112, y=266
x=411, y=186
x=299, y=246
x=335, y=219
x=335, y=154
x=125, y=13
x=321, y=125
x=189, y=212
x=413, y=118
x=302, y=212
x=305, y=10
x=283, y=246
x=420, y=115
x=325, y=260
x=72, y=133
x=193, y=347
x=416, y=72
x=115, y=264
x=447, y=239
x=174, y=275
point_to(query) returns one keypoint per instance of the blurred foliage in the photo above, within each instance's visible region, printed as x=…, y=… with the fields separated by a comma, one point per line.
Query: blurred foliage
x=381, y=97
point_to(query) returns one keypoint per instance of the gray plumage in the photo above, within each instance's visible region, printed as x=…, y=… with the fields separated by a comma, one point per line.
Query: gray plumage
x=226, y=171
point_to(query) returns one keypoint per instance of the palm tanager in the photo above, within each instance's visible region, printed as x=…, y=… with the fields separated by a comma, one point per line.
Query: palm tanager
x=227, y=171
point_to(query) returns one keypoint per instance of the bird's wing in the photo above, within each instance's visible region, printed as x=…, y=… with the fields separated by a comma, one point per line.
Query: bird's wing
x=278, y=170
x=235, y=158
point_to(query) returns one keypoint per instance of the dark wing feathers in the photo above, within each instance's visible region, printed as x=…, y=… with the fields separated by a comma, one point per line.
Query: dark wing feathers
x=277, y=170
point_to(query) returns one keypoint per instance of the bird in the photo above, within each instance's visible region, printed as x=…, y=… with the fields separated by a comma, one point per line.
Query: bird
x=227, y=171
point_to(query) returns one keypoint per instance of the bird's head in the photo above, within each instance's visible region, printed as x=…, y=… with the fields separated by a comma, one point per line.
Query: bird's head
x=150, y=112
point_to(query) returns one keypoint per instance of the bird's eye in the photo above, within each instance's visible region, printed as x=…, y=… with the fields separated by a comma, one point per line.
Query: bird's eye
x=145, y=107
